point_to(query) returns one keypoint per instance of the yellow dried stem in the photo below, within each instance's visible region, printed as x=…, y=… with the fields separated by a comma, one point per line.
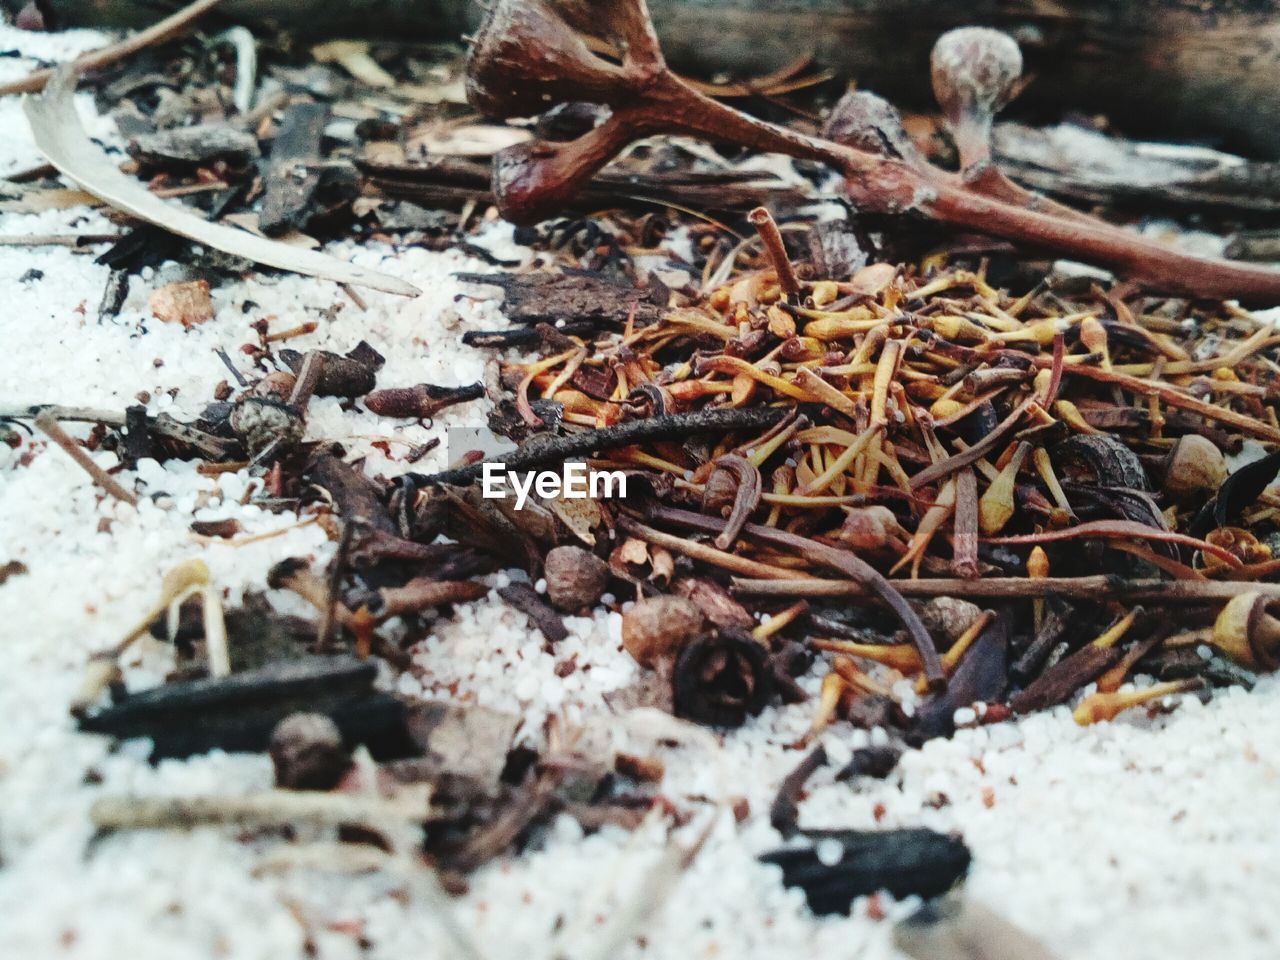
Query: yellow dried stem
x=951, y=659
x=996, y=506
x=930, y=524
x=1098, y=707
x=1113, y=634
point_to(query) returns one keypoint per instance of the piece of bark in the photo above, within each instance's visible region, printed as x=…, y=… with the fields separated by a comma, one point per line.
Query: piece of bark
x=1065, y=677
x=195, y=146
x=339, y=376
x=909, y=862
x=357, y=497
x=1092, y=168
x=552, y=297
x=293, y=173
x=982, y=675
x=451, y=183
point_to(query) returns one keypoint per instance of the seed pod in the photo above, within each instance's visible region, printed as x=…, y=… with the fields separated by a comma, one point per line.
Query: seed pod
x=261, y=422
x=947, y=618
x=576, y=578
x=308, y=753
x=423, y=400
x=1248, y=633
x=658, y=627
x=276, y=386
x=720, y=680
x=870, y=528
x=1194, y=467
x=997, y=505
x=867, y=122
x=974, y=71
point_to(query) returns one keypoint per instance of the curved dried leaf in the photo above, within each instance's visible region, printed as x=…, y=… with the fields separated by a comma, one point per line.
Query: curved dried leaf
x=61, y=137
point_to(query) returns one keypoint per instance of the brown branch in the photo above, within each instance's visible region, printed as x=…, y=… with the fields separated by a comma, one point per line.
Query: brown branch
x=529, y=55
x=1100, y=587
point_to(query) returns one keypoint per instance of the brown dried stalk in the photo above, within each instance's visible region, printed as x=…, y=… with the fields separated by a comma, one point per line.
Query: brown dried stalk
x=530, y=55
x=853, y=567
x=1099, y=587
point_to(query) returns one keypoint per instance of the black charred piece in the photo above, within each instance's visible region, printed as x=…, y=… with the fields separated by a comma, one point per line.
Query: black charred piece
x=238, y=713
x=911, y=862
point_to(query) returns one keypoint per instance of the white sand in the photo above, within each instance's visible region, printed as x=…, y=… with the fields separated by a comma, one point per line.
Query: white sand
x=1136, y=839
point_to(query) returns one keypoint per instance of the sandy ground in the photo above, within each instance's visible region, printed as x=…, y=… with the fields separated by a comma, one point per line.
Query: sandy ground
x=1141, y=839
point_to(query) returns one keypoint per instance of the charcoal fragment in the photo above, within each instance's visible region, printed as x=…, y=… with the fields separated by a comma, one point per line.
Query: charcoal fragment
x=910, y=862
x=874, y=762
x=239, y=712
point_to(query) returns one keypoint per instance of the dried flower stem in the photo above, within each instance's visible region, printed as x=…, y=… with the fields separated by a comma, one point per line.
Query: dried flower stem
x=776, y=250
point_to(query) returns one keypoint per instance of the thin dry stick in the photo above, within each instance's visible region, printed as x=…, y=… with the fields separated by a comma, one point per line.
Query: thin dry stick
x=700, y=551
x=857, y=569
x=160, y=32
x=46, y=422
x=1084, y=588
x=1176, y=398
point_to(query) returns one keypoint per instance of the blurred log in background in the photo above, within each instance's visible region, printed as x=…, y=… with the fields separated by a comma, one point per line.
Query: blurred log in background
x=1157, y=67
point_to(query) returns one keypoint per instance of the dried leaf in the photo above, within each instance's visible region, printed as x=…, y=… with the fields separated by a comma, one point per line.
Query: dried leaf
x=62, y=139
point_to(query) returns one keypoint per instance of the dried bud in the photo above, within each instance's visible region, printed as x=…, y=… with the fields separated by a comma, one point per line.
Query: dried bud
x=870, y=528
x=657, y=627
x=865, y=121
x=308, y=753
x=1195, y=466
x=975, y=70
x=423, y=400
x=721, y=680
x=576, y=578
x=1038, y=563
x=260, y=422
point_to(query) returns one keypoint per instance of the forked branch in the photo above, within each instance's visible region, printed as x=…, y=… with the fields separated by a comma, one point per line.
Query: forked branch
x=530, y=55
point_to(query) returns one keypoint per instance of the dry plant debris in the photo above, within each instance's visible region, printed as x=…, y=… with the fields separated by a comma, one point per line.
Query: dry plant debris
x=950, y=496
